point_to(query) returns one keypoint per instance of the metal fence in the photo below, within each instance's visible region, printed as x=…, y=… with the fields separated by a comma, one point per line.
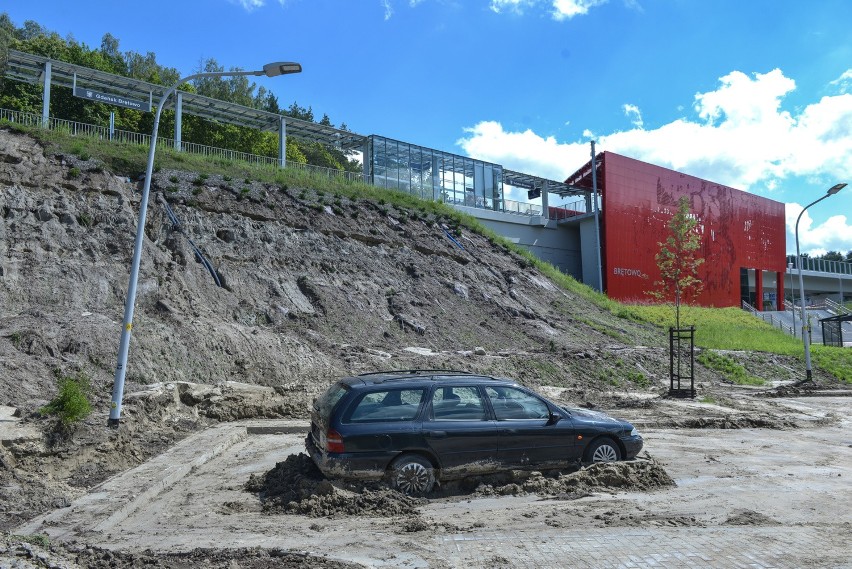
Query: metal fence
x=771, y=319
x=103, y=133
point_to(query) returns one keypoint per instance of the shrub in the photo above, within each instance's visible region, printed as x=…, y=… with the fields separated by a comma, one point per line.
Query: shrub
x=71, y=404
x=74, y=172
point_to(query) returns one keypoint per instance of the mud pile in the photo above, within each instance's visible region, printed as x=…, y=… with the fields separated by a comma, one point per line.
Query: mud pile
x=638, y=475
x=296, y=486
x=25, y=554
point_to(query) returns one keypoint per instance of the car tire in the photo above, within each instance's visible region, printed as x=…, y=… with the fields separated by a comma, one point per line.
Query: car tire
x=412, y=475
x=603, y=450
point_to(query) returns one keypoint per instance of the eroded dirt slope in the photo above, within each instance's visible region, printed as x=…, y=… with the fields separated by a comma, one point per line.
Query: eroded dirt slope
x=313, y=286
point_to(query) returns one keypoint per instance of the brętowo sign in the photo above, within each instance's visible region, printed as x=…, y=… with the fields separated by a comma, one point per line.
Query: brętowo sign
x=92, y=95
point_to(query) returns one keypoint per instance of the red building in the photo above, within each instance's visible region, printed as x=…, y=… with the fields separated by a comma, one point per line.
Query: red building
x=742, y=235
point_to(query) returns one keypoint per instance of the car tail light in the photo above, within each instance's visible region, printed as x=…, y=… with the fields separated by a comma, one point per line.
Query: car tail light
x=333, y=441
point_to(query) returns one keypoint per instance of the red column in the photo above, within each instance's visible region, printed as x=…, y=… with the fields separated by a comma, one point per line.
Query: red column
x=779, y=291
x=758, y=289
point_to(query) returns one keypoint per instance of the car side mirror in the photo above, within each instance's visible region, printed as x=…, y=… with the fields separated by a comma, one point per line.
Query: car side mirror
x=553, y=419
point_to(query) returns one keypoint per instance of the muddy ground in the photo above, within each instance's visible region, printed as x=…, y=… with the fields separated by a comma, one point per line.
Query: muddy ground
x=728, y=496
x=315, y=286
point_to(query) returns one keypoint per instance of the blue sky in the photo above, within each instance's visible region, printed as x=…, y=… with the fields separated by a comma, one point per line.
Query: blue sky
x=750, y=93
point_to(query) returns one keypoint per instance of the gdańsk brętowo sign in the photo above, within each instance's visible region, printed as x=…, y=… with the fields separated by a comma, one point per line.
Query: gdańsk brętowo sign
x=84, y=93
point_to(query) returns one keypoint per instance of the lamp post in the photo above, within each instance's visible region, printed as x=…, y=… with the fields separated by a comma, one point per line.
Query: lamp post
x=805, y=336
x=792, y=296
x=270, y=70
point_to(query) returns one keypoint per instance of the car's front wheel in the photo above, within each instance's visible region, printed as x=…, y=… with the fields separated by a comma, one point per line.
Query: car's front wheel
x=412, y=474
x=603, y=450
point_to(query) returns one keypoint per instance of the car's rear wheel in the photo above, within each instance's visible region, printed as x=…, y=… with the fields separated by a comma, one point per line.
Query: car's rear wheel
x=603, y=450
x=412, y=474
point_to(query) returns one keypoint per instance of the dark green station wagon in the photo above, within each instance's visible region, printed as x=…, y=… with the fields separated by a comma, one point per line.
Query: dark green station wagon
x=416, y=427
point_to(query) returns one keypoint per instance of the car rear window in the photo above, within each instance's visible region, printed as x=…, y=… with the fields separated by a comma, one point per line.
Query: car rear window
x=386, y=405
x=329, y=399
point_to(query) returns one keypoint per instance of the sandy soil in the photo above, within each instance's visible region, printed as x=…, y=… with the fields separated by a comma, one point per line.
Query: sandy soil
x=729, y=482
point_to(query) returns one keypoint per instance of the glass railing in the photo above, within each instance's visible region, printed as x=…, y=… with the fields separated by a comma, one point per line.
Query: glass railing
x=820, y=265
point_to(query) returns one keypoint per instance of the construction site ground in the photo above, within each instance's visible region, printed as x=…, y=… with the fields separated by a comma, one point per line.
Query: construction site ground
x=752, y=497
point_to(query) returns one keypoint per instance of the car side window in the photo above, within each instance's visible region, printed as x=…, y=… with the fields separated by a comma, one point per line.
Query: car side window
x=458, y=404
x=386, y=405
x=511, y=403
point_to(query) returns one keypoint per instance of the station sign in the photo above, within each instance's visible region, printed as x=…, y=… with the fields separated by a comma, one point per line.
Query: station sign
x=117, y=100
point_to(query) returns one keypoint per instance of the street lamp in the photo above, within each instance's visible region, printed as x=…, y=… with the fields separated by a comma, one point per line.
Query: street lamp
x=270, y=70
x=792, y=295
x=805, y=336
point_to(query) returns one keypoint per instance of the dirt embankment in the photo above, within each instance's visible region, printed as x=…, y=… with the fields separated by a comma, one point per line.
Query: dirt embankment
x=313, y=286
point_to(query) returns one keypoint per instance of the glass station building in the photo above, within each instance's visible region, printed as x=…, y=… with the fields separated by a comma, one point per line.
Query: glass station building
x=432, y=174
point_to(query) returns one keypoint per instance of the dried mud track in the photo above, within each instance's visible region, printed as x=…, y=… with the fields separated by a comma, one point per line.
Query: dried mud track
x=766, y=496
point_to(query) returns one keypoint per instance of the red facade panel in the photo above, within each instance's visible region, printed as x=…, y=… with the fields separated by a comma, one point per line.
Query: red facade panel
x=738, y=229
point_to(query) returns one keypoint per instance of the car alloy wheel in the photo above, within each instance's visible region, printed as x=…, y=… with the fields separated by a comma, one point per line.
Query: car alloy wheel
x=604, y=451
x=412, y=475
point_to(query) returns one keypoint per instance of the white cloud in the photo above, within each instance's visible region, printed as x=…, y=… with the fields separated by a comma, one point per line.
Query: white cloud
x=249, y=5
x=562, y=9
x=388, y=9
x=834, y=234
x=739, y=136
x=516, y=6
x=567, y=9
x=634, y=113
x=844, y=82
x=524, y=151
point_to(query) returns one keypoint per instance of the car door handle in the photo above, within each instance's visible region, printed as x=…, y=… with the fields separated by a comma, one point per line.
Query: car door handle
x=436, y=434
x=507, y=431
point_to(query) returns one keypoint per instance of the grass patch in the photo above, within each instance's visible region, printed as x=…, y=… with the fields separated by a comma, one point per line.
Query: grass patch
x=71, y=404
x=731, y=370
x=39, y=539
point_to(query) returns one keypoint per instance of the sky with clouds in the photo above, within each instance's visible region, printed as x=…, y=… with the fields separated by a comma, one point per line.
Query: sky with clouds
x=756, y=95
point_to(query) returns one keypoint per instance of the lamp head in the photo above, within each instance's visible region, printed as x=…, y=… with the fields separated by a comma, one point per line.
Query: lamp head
x=836, y=188
x=281, y=68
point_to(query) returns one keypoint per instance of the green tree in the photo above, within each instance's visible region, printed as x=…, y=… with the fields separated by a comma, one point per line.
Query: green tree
x=298, y=112
x=832, y=256
x=679, y=259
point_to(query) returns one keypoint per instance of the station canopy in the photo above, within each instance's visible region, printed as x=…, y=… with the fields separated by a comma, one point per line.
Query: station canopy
x=29, y=68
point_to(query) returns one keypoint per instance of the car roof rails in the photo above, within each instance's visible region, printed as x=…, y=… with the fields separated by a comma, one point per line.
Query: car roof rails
x=415, y=372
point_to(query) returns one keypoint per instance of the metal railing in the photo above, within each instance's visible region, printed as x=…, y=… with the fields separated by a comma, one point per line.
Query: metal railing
x=567, y=211
x=836, y=307
x=770, y=319
x=103, y=133
x=821, y=265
